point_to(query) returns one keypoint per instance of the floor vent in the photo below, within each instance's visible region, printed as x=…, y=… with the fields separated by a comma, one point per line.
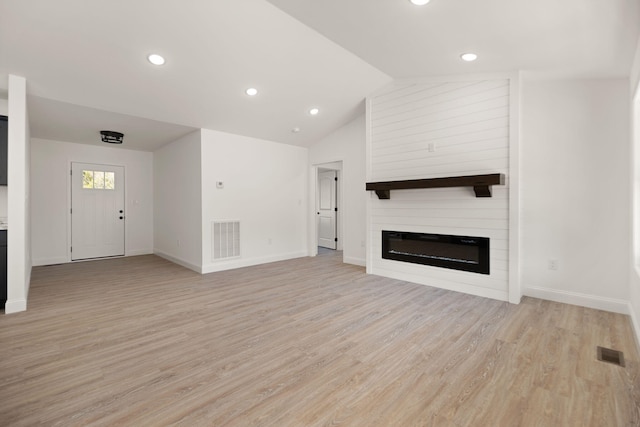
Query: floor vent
x=611, y=356
x=225, y=236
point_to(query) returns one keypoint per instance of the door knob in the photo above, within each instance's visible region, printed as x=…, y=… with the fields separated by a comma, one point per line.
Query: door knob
x=121, y=217
x=121, y=211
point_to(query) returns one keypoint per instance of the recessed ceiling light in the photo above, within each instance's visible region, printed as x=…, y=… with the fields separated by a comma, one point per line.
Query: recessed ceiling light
x=295, y=130
x=469, y=57
x=252, y=91
x=314, y=111
x=419, y=2
x=155, y=59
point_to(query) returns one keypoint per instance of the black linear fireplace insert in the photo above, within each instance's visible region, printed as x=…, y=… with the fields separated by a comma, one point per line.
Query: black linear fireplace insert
x=440, y=250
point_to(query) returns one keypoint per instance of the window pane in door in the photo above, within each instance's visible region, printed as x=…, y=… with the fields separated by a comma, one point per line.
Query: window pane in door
x=87, y=179
x=98, y=180
x=109, y=180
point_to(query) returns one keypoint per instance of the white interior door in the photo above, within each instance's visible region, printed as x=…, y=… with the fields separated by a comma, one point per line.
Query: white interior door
x=97, y=211
x=327, y=230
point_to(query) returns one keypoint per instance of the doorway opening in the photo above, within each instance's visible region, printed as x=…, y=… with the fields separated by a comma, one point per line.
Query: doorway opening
x=327, y=230
x=327, y=208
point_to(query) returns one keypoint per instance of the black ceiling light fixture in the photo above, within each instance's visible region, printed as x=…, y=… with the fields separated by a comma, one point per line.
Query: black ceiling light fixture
x=111, y=137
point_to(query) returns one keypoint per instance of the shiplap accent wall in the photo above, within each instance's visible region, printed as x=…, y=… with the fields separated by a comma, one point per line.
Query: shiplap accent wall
x=439, y=129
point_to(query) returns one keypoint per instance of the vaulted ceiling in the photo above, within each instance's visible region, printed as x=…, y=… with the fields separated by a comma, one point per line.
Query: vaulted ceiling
x=86, y=61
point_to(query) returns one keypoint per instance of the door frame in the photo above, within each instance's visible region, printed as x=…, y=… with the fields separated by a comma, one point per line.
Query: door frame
x=69, y=204
x=333, y=208
x=313, y=191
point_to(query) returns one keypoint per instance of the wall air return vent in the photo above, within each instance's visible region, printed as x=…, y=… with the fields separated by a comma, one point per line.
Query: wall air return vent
x=225, y=236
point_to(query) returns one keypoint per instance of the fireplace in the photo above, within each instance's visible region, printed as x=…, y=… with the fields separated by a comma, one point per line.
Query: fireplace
x=440, y=250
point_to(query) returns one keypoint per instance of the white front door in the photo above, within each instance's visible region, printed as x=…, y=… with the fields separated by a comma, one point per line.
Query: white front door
x=97, y=211
x=327, y=231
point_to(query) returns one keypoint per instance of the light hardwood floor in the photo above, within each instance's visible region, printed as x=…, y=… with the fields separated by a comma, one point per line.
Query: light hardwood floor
x=308, y=342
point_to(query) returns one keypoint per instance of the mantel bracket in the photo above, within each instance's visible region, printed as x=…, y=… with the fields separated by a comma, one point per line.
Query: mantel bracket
x=383, y=194
x=482, y=190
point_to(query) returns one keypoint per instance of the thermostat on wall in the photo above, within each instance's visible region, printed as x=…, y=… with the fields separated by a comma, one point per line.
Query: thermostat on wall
x=219, y=184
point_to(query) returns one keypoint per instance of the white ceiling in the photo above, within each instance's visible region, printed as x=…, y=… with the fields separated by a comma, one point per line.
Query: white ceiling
x=93, y=54
x=86, y=68
x=59, y=121
x=576, y=38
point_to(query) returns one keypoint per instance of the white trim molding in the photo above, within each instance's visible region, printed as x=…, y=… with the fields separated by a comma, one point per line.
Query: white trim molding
x=15, y=306
x=635, y=324
x=575, y=298
x=50, y=261
x=138, y=252
x=355, y=261
x=239, y=263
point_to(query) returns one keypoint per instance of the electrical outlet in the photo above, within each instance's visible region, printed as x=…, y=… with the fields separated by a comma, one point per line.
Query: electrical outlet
x=431, y=147
x=178, y=243
x=553, y=264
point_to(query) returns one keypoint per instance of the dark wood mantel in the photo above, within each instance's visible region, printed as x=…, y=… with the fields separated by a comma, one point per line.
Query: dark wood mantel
x=481, y=184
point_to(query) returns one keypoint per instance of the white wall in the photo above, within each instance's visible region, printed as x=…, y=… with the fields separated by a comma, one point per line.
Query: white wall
x=575, y=191
x=347, y=144
x=18, y=198
x=634, y=149
x=178, y=201
x=265, y=188
x=4, y=191
x=634, y=75
x=467, y=122
x=50, y=189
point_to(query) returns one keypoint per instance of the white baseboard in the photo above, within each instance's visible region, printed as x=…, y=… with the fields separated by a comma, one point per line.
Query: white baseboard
x=248, y=262
x=50, y=261
x=441, y=284
x=355, y=261
x=15, y=306
x=178, y=261
x=136, y=252
x=635, y=324
x=64, y=260
x=574, y=298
